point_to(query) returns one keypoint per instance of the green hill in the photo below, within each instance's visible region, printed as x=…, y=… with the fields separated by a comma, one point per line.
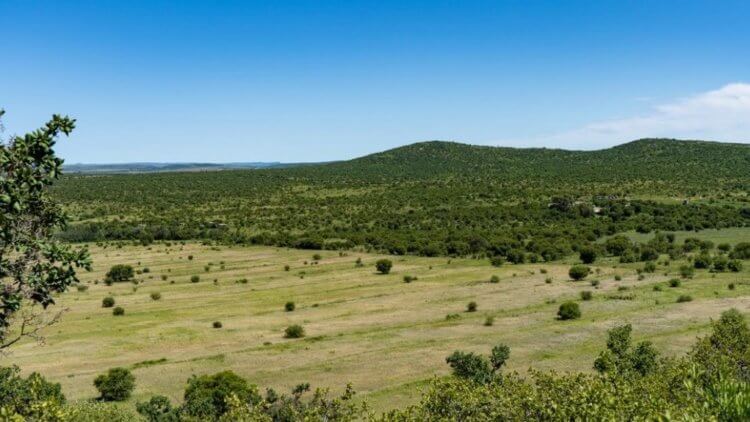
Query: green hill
x=429, y=198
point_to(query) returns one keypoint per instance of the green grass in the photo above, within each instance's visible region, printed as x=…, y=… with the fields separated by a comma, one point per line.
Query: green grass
x=731, y=235
x=384, y=336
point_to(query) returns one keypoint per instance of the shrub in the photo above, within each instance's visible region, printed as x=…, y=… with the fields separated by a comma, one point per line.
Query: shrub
x=164, y=277
x=157, y=409
x=618, y=277
x=489, y=321
x=470, y=366
x=317, y=257
x=82, y=287
x=108, y=302
x=649, y=267
x=586, y=295
x=579, y=272
x=451, y=317
x=294, y=331
x=687, y=271
x=155, y=296
x=684, y=298
x=118, y=273
x=702, y=261
x=409, y=279
x=657, y=288
x=588, y=255
x=595, y=283
x=735, y=265
x=289, y=306
x=731, y=286
x=206, y=397
x=115, y=385
x=190, y=257
x=471, y=307
x=497, y=261
x=741, y=251
x=217, y=324
x=548, y=280
x=569, y=310
x=195, y=279
x=494, y=279
x=286, y=267
x=384, y=266
x=674, y=282
x=118, y=311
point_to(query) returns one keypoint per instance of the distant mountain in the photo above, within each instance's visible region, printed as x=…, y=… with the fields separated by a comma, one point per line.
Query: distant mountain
x=163, y=167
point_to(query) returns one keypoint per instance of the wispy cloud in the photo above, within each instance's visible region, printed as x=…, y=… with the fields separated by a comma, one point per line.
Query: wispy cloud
x=720, y=115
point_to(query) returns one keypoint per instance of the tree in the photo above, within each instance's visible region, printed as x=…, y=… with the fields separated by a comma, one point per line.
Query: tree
x=470, y=366
x=579, y=272
x=115, y=385
x=33, y=266
x=206, y=396
x=499, y=355
x=620, y=358
x=384, y=266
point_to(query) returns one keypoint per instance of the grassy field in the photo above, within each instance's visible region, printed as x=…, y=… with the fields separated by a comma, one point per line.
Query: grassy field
x=375, y=331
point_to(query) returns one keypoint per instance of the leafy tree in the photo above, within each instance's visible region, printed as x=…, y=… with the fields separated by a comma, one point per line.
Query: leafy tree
x=33, y=266
x=620, y=358
x=158, y=409
x=499, y=355
x=206, y=396
x=470, y=366
x=115, y=385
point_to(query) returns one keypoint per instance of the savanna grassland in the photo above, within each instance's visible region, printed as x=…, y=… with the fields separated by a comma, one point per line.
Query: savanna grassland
x=385, y=336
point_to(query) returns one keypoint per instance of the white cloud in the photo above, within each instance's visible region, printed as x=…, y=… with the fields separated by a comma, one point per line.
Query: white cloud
x=720, y=115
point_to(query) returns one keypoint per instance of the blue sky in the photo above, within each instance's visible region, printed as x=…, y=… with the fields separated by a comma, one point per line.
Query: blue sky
x=323, y=80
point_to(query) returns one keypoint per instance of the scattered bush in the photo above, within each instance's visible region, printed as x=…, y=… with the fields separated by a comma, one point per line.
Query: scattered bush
x=579, y=272
x=108, y=302
x=409, y=279
x=118, y=311
x=494, y=279
x=384, y=266
x=587, y=255
x=684, y=298
x=217, y=324
x=569, y=310
x=294, y=331
x=155, y=296
x=586, y=295
x=119, y=273
x=674, y=282
x=195, y=279
x=115, y=385
x=289, y=306
x=489, y=321
x=471, y=307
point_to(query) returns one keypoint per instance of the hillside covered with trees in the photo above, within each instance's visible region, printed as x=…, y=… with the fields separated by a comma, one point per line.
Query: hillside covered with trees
x=431, y=198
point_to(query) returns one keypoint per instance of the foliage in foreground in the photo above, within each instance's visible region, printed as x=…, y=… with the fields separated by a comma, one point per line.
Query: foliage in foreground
x=631, y=383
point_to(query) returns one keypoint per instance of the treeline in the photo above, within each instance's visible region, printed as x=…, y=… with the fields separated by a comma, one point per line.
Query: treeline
x=630, y=382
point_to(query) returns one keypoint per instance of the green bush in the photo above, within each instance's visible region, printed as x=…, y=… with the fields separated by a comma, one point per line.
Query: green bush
x=119, y=273
x=118, y=311
x=294, y=331
x=569, y=310
x=497, y=261
x=289, y=306
x=115, y=385
x=217, y=324
x=384, y=266
x=586, y=295
x=157, y=409
x=588, y=255
x=494, y=279
x=195, y=279
x=684, y=298
x=674, y=282
x=108, y=302
x=471, y=307
x=579, y=272
x=206, y=397
x=155, y=296
x=409, y=278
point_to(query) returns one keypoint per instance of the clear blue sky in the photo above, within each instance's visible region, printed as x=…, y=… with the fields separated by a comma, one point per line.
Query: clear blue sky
x=291, y=81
